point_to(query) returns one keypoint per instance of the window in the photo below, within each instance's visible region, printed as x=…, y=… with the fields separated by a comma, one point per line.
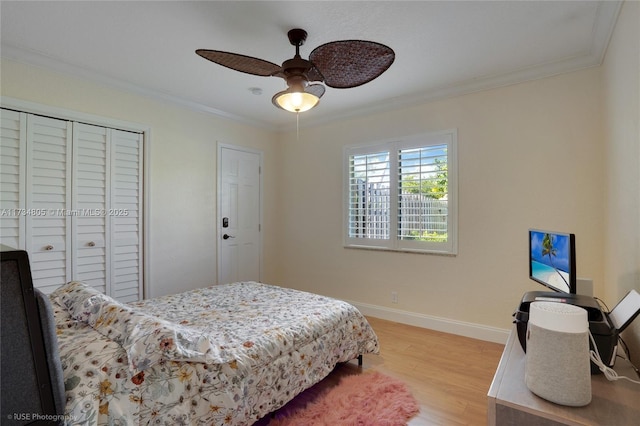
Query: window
x=402, y=195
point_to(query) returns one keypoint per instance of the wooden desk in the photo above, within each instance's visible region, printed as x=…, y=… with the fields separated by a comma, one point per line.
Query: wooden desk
x=510, y=402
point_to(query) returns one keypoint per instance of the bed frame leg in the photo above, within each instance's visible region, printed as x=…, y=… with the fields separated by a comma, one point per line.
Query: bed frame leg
x=359, y=360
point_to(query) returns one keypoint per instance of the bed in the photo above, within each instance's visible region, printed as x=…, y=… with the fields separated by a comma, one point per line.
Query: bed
x=222, y=355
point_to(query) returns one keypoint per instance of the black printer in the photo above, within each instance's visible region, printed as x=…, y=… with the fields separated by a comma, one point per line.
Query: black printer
x=604, y=333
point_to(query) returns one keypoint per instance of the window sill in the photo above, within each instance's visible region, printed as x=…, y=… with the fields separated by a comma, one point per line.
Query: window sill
x=401, y=250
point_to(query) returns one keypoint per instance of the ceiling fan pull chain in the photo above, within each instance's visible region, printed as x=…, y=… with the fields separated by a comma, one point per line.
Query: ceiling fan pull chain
x=297, y=125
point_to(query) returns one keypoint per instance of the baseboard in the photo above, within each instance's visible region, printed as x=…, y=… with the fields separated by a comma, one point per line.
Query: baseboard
x=446, y=325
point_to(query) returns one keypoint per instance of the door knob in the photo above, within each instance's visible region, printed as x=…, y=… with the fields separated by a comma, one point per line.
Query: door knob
x=227, y=236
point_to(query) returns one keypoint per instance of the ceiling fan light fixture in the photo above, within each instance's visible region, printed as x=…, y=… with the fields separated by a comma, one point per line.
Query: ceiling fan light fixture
x=295, y=100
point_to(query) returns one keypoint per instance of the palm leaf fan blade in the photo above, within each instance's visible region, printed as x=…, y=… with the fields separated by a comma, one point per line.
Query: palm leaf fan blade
x=242, y=63
x=351, y=63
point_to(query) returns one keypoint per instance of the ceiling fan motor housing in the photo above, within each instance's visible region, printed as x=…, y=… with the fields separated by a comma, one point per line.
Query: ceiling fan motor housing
x=296, y=70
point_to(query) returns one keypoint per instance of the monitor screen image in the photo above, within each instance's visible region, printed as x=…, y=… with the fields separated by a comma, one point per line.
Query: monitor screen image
x=552, y=260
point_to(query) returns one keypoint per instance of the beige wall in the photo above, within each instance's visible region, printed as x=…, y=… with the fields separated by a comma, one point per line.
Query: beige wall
x=182, y=170
x=529, y=156
x=621, y=118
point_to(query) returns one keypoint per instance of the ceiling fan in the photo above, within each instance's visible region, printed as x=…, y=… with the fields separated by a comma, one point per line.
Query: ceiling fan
x=339, y=64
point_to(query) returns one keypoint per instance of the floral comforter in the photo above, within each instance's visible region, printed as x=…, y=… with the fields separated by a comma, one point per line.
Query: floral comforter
x=221, y=355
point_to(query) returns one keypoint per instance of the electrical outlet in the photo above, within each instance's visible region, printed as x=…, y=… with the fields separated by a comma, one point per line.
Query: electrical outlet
x=394, y=297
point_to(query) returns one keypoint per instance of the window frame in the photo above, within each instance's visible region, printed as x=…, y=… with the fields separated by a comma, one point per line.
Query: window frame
x=394, y=146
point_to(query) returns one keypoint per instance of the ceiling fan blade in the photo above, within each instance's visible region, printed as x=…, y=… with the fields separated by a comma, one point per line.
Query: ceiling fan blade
x=351, y=63
x=242, y=63
x=315, y=89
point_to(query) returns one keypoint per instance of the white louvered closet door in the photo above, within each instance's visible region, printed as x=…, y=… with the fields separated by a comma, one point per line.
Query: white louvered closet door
x=126, y=215
x=90, y=199
x=48, y=199
x=71, y=195
x=13, y=142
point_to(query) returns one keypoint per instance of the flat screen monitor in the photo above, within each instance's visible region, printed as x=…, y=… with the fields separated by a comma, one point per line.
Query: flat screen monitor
x=552, y=260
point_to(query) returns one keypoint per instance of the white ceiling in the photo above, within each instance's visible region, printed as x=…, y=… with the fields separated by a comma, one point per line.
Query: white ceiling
x=442, y=48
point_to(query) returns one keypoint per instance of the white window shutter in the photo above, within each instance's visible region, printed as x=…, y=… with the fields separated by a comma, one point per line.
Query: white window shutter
x=401, y=194
x=370, y=196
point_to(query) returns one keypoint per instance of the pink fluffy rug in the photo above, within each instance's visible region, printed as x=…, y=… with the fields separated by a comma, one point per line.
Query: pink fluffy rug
x=370, y=399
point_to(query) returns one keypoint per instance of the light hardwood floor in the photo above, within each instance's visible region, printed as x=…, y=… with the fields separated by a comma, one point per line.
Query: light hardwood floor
x=449, y=375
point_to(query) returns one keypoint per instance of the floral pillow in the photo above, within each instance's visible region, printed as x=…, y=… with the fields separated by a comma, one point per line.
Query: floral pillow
x=79, y=299
x=146, y=339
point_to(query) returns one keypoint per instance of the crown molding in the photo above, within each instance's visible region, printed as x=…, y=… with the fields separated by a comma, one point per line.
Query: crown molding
x=606, y=17
x=40, y=60
x=463, y=88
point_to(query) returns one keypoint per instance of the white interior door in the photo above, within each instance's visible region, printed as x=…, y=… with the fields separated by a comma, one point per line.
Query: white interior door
x=239, y=214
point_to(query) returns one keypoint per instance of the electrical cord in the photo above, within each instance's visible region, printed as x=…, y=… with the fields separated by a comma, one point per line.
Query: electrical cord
x=602, y=304
x=625, y=348
x=595, y=356
x=627, y=355
x=608, y=372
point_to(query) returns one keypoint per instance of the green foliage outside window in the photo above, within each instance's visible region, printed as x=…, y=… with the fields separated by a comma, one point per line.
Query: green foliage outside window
x=435, y=187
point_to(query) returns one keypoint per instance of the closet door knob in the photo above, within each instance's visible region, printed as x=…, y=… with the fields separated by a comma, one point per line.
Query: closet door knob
x=91, y=244
x=48, y=247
